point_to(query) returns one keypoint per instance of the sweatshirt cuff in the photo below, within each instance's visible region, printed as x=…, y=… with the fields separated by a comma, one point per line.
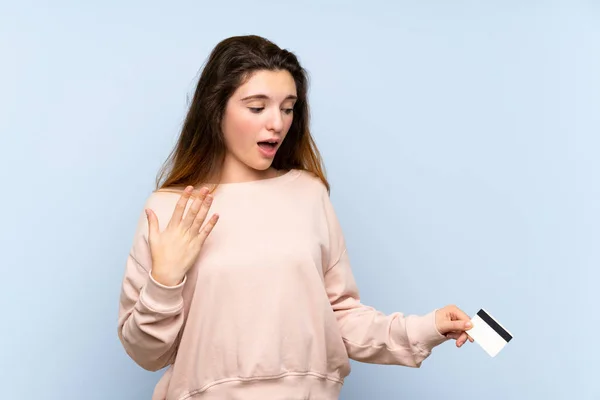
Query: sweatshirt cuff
x=424, y=334
x=161, y=298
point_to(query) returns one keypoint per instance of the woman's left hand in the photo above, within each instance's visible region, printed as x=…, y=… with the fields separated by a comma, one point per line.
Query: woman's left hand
x=453, y=323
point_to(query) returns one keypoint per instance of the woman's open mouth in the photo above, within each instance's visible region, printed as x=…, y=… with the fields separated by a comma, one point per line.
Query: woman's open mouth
x=268, y=148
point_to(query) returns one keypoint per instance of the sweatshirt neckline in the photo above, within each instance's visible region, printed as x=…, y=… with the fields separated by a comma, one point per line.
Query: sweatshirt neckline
x=266, y=181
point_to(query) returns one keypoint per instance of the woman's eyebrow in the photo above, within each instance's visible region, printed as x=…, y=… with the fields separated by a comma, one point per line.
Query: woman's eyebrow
x=265, y=97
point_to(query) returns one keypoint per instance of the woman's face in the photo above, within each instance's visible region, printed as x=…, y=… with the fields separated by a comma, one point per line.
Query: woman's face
x=256, y=121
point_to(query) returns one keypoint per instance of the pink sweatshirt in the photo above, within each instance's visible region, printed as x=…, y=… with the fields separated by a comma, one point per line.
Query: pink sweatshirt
x=270, y=310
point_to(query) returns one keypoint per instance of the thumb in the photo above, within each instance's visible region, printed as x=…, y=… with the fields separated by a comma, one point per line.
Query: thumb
x=455, y=326
x=152, y=223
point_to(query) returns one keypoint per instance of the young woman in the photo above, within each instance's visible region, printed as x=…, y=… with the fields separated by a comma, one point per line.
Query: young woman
x=239, y=279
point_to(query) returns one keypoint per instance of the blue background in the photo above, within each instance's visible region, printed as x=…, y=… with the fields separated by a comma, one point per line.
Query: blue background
x=461, y=140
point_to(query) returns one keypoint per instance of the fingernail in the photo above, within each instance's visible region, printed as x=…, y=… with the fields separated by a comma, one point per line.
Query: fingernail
x=468, y=325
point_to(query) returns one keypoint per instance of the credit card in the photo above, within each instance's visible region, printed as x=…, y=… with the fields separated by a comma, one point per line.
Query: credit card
x=488, y=333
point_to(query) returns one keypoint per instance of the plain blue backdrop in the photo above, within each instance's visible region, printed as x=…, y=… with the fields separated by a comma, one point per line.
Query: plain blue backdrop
x=461, y=140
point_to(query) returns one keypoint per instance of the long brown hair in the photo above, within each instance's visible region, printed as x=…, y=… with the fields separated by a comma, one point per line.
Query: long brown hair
x=200, y=150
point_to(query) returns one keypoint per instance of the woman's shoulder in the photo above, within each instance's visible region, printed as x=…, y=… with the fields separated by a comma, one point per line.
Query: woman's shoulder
x=311, y=180
x=163, y=199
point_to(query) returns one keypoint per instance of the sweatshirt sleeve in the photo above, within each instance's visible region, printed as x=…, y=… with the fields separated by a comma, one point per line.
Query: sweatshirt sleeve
x=150, y=314
x=369, y=335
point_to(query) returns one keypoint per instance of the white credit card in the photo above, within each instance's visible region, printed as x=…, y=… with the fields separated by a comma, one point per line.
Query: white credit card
x=488, y=333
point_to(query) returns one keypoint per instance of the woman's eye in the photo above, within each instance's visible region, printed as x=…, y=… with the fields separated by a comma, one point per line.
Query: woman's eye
x=256, y=110
x=288, y=110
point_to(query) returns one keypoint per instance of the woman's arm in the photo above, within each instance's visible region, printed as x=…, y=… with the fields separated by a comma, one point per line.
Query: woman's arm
x=369, y=335
x=151, y=308
x=150, y=314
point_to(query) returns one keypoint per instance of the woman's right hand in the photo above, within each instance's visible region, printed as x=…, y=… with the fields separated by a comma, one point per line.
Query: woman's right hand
x=176, y=249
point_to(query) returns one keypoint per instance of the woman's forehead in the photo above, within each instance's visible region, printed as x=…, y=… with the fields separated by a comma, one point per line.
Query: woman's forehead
x=269, y=85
